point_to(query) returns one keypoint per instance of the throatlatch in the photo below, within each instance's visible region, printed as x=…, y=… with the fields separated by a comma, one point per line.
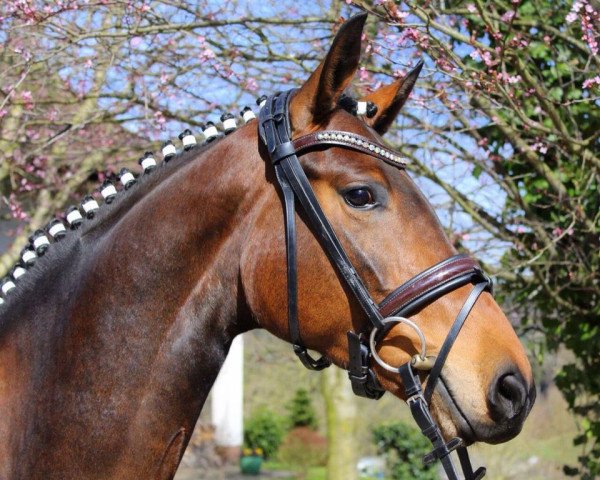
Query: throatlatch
x=448, y=275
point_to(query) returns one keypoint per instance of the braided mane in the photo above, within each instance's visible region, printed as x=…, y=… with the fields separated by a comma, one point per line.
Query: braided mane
x=45, y=250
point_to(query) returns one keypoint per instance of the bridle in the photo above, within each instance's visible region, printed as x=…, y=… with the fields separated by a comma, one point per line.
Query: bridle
x=440, y=279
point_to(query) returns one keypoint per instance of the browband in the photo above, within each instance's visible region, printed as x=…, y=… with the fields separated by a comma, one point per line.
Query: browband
x=348, y=140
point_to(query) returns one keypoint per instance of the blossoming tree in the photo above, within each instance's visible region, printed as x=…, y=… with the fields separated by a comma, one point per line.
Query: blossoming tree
x=503, y=128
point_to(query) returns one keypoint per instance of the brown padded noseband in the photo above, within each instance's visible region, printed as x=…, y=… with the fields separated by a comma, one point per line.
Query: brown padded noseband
x=415, y=292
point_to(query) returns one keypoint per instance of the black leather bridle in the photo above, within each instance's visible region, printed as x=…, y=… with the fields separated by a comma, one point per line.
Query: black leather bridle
x=425, y=288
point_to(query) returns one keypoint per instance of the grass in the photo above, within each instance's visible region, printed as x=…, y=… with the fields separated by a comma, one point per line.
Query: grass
x=314, y=473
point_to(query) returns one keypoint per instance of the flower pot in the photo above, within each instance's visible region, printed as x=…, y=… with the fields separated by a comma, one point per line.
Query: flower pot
x=250, y=464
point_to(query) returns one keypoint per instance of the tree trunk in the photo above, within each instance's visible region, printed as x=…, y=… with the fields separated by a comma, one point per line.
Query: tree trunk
x=341, y=411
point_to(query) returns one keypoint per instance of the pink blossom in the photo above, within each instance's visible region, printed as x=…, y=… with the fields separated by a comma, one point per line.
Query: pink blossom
x=3, y=112
x=511, y=79
x=207, y=54
x=27, y=98
x=487, y=58
x=475, y=55
x=363, y=74
x=16, y=210
x=251, y=85
x=557, y=232
x=571, y=17
x=539, y=147
x=159, y=118
x=591, y=82
x=444, y=64
x=471, y=8
x=508, y=16
x=136, y=42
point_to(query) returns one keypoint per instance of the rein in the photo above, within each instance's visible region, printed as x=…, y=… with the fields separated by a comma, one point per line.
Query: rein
x=423, y=289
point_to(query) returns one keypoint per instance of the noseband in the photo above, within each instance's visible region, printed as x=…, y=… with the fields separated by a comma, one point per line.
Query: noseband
x=420, y=291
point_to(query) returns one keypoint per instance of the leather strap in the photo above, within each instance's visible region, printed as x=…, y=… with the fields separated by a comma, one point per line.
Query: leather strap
x=362, y=377
x=440, y=360
x=430, y=285
x=353, y=141
x=420, y=412
x=292, y=277
x=467, y=468
x=274, y=129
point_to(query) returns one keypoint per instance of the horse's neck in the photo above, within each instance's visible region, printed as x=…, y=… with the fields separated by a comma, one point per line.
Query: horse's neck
x=154, y=312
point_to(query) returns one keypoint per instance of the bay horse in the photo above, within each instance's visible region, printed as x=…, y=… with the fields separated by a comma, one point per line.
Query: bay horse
x=110, y=343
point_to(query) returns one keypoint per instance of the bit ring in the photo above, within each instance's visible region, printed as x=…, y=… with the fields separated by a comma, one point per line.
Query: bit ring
x=421, y=356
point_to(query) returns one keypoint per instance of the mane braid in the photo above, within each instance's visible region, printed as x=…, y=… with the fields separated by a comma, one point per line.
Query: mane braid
x=105, y=217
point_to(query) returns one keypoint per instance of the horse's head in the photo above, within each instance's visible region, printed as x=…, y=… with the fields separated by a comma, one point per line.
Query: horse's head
x=390, y=233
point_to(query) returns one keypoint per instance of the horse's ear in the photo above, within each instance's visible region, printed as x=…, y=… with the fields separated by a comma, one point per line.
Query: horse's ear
x=317, y=98
x=390, y=98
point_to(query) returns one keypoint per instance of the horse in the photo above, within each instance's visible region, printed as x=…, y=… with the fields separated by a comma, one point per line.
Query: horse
x=110, y=343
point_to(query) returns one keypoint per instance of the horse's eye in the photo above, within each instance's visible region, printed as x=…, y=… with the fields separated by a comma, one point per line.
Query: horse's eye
x=359, y=197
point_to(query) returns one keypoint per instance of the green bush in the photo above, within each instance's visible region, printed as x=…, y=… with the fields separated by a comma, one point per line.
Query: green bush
x=404, y=447
x=301, y=411
x=264, y=430
x=302, y=449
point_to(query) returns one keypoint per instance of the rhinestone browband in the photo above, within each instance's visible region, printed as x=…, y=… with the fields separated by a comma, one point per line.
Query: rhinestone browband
x=349, y=140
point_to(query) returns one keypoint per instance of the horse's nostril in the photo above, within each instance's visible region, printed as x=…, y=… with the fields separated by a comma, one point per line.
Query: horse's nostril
x=508, y=396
